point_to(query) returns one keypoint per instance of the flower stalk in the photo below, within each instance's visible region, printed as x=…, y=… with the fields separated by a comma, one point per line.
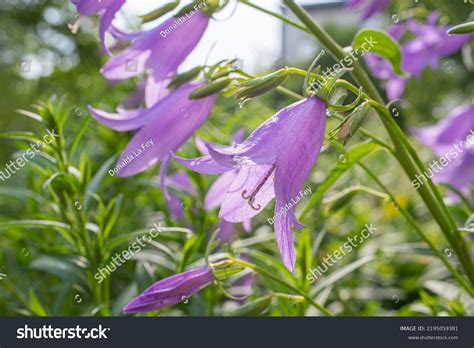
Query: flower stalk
x=277, y=279
x=404, y=152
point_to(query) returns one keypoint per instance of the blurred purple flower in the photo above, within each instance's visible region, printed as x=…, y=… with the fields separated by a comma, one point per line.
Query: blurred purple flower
x=171, y=290
x=429, y=45
x=161, y=49
x=169, y=124
x=371, y=7
x=273, y=161
x=107, y=10
x=162, y=129
x=453, y=137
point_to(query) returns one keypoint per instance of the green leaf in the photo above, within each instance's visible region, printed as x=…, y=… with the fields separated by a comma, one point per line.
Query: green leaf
x=462, y=28
x=350, y=158
x=28, y=136
x=18, y=192
x=252, y=308
x=381, y=44
x=62, y=268
x=98, y=177
x=341, y=273
x=36, y=307
x=79, y=135
x=6, y=225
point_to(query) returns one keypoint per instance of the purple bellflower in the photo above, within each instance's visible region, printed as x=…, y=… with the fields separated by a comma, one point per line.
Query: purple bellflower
x=161, y=49
x=171, y=290
x=273, y=162
x=453, y=139
x=168, y=125
x=161, y=130
x=107, y=10
x=429, y=45
x=371, y=7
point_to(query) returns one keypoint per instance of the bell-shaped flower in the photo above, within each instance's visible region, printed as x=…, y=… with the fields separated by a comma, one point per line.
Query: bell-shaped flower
x=429, y=44
x=273, y=162
x=107, y=10
x=452, y=140
x=171, y=290
x=161, y=49
x=164, y=127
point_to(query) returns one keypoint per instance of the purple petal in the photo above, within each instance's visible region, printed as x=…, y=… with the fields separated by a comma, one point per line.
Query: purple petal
x=227, y=231
x=106, y=19
x=216, y=193
x=156, y=88
x=154, y=49
x=302, y=146
x=123, y=120
x=262, y=146
x=375, y=7
x=203, y=165
x=171, y=290
x=169, y=125
x=172, y=201
x=235, y=208
x=181, y=181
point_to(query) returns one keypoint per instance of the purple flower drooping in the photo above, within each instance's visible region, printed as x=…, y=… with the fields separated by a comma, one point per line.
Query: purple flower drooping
x=162, y=129
x=273, y=162
x=453, y=139
x=161, y=49
x=107, y=10
x=371, y=7
x=168, y=125
x=429, y=45
x=171, y=290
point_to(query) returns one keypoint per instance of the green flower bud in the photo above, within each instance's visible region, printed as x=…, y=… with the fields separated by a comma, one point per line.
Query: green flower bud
x=211, y=88
x=261, y=85
x=354, y=122
x=187, y=76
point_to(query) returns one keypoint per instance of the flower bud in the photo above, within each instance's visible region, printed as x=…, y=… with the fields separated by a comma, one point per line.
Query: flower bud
x=261, y=85
x=354, y=122
x=211, y=88
x=185, y=77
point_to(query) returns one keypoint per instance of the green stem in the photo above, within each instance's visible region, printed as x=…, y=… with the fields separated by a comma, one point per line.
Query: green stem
x=423, y=236
x=282, y=282
x=404, y=152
